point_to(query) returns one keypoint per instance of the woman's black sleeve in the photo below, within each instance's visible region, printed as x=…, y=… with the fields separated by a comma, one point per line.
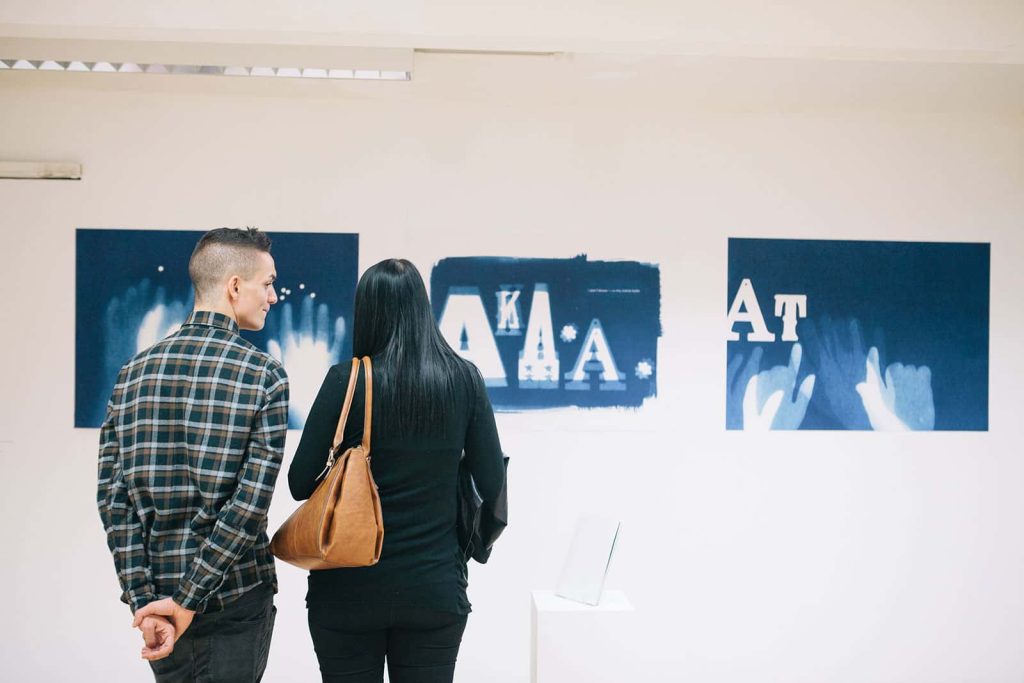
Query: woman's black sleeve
x=483, y=448
x=318, y=433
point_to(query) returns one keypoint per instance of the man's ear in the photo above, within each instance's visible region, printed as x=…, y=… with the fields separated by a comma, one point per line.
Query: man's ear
x=234, y=288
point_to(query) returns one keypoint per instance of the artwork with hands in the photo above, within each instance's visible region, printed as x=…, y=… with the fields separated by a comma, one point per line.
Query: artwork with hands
x=132, y=290
x=857, y=335
x=548, y=333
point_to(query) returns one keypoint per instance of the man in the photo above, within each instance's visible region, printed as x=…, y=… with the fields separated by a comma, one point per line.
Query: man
x=189, y=454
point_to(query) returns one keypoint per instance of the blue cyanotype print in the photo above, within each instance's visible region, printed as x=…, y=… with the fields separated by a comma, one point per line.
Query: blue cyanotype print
x=553, y=332
x=832, y=334
x=133, y=289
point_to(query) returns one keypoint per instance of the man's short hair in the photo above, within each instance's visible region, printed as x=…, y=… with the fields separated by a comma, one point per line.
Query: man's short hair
x=223, y=252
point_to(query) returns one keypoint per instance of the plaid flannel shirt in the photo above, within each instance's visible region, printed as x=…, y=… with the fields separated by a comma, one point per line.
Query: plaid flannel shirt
x=189, y=454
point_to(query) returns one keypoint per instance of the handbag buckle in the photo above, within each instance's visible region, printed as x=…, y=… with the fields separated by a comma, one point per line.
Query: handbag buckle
x=330, y=464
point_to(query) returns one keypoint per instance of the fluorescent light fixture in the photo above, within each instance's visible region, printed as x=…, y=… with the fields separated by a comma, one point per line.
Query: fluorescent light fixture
x=204, y=70
x=335, y=63
x=40, y=170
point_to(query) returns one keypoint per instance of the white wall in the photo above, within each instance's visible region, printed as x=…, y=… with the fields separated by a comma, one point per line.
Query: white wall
x=778, y=557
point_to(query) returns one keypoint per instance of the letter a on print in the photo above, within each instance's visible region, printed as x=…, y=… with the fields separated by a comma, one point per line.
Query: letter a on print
x=745, y=309
x=595, y=357
x=465, y=326
x=538, y=361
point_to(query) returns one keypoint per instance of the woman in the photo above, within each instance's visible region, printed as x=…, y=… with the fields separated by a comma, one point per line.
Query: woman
x=429, y=406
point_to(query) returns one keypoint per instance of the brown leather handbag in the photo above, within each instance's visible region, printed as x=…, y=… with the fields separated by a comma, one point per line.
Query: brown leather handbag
x=341, y=524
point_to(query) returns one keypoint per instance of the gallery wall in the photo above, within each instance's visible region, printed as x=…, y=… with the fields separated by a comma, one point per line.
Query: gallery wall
x=798, y=556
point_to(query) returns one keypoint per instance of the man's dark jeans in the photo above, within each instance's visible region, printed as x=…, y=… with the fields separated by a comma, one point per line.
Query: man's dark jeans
x=229, y=646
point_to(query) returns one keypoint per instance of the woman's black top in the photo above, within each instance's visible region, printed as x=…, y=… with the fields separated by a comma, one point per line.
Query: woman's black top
x=420, y=563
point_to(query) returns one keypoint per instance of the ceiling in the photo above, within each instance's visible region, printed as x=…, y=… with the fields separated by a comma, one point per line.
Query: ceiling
x=937, y=31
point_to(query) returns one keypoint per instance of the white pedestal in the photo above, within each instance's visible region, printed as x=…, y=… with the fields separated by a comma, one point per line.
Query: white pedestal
x=572, y=641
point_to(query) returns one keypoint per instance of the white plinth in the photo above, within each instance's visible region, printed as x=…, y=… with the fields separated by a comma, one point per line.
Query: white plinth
x=572, y=641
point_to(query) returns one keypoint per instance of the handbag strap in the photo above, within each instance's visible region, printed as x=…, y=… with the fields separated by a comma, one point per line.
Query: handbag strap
x=368, y=405
x=339, y=433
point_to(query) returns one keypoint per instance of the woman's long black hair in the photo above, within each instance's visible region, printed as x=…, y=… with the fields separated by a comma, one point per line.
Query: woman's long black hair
x=416, y=372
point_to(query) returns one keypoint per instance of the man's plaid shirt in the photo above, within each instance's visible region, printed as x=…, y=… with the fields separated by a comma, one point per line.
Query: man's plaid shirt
x=189, y=454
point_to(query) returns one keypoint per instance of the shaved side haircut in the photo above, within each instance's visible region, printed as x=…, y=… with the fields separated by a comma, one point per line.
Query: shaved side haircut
x=224, y=252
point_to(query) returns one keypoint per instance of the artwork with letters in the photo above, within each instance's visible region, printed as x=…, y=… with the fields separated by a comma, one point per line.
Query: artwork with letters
x=885, y=336
x=133, y=289
x=553, y=332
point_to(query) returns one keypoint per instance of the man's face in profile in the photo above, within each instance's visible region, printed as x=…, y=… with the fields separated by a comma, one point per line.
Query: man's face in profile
x=256, y=294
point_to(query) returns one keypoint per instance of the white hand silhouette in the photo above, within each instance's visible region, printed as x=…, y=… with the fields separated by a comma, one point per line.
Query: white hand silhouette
x=902, y=401
x=307, y=353
x=766, y=401
x=160, y=321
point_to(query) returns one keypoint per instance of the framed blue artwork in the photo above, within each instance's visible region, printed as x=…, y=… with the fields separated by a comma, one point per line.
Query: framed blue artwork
x=832, y=334
x=547, y=333
x=132, y=289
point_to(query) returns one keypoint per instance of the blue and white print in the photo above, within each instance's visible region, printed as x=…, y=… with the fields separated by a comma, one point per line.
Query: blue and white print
x=133, y=289
x=857, y=335
x=547, y=333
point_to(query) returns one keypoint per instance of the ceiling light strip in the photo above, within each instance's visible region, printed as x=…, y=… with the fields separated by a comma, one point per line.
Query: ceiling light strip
x=203, y=70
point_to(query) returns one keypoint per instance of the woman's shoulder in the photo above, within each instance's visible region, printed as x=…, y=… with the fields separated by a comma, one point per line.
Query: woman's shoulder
x=342, y=369
x=473, y=383
x=340, y=373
